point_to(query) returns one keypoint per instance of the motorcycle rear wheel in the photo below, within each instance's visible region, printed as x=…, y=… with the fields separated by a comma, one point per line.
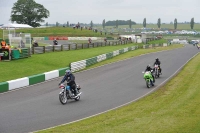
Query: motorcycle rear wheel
x=78, y=98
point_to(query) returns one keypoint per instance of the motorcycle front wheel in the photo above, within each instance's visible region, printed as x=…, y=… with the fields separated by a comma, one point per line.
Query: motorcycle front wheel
x=63, y=98
x=156, y=74
x=148, y=83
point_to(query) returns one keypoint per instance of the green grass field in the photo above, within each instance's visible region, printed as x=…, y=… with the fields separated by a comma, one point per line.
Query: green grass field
x=172, y=108
x=161, y=41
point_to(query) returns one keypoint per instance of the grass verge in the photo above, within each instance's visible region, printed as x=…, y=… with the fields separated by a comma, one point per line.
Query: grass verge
x=175, y=107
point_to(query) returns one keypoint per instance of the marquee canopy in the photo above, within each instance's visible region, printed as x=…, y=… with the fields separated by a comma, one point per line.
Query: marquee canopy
x=16, y=26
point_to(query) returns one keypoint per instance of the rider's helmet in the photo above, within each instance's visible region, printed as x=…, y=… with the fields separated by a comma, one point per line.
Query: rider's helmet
x=157, y=59
x=149, y=66
x=68, y=72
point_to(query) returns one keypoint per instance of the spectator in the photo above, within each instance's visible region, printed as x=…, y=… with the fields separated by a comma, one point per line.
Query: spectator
x=3, y=44
x=89, y=40
x=55, y=42
x=9, y=48
x=105, y=39
x=35, y=44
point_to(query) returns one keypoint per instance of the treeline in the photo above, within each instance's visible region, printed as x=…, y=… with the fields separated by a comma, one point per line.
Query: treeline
x=119, y=22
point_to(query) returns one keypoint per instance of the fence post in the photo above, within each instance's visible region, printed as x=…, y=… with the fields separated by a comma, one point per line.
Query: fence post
x=69, y=46
x=44, y=49
x=53, y=48
x=82, y=45
x=62, y=47
x=76, y=46
x=29, y=52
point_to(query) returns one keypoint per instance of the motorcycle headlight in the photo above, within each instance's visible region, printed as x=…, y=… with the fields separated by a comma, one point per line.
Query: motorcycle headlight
x=62, y=86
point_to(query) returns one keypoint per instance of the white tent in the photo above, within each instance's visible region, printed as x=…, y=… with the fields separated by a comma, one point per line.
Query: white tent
x=16, y=26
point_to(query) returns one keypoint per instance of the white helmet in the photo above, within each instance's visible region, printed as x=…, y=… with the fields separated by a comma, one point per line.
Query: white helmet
x=68, y=72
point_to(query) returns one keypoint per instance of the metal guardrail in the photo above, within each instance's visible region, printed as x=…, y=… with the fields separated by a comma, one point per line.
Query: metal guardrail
x=65, y=47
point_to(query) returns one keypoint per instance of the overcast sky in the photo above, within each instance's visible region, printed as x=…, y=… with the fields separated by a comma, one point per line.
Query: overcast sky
x=85, y=11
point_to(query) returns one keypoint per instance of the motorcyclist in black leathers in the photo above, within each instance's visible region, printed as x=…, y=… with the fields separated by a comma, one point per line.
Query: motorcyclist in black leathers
x=70, y=78
x=55, y=42
x=148, y=68
x=157, y=62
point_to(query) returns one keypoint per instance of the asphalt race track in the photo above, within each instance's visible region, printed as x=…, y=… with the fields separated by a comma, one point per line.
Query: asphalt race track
x=37, y=107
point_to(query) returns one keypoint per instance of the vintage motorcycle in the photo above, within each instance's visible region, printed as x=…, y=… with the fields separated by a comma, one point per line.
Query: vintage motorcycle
x=148, y=78
x=67, y=93
x=156, y=71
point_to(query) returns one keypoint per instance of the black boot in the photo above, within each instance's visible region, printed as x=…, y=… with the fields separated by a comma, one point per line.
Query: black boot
x=76, y=92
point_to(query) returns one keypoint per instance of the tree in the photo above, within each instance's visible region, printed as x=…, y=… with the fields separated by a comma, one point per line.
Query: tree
x=192, y=23
x=116, y=23
x=103, y=23
x=159, y=23
x=28, y=12
x=91, y=24
x=144, y=23
x=47, y=24
x=57, y=24
x=175, y=23
x=120, y=22
x=67, y=23
x=130, y=23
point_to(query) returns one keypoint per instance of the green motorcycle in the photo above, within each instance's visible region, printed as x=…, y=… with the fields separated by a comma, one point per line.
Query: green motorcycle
x=148, y=78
